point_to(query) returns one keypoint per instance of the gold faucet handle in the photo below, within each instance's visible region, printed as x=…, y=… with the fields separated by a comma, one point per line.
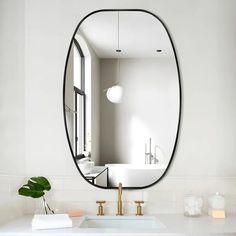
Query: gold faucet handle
x=100, y=208
x=139, y=208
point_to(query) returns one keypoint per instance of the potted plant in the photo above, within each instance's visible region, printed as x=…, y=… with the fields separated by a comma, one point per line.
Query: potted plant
x=35, y=188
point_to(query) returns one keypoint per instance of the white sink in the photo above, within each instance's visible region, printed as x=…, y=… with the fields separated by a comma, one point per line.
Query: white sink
x=122, y=222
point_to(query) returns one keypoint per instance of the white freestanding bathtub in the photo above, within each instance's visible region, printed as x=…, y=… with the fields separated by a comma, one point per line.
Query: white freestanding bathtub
x=131, y=175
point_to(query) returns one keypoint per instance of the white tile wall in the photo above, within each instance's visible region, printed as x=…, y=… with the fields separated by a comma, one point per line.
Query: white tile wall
x=72, y=193
x=11, y=205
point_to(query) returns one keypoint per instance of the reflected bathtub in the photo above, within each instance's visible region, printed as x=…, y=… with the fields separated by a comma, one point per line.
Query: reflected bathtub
x=131, y=175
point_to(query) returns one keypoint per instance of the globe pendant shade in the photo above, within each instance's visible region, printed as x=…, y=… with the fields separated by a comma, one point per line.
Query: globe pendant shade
x=114, y=94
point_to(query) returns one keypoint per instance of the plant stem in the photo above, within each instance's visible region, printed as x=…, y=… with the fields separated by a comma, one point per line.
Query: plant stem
x=44, y=204
x=50, y=208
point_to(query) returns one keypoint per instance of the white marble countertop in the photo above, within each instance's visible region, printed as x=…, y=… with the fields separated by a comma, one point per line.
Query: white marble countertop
x=176, y=225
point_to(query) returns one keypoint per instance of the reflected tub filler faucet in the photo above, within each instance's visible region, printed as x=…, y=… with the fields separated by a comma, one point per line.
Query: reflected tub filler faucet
x=149, y=157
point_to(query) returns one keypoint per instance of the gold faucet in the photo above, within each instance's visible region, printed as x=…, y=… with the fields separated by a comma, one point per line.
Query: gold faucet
x=139, y=208
x=100, y=208
x=119, y=203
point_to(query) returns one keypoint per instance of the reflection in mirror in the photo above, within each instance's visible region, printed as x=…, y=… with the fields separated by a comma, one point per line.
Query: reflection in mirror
x=122, y=98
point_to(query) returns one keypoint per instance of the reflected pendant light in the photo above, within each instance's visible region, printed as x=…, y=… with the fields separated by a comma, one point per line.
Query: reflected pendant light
x=114, y=93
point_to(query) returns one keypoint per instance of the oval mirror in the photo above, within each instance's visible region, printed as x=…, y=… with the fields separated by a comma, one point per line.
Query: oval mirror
x=122, y=98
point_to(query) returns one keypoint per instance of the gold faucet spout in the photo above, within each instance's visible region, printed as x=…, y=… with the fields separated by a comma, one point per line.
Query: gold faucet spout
x=119, y=203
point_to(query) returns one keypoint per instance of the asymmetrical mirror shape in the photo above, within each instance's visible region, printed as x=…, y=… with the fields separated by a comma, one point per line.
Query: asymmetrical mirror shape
x=122, y=98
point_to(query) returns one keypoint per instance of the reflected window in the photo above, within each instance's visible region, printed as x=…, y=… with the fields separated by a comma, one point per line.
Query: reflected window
x=79, y=102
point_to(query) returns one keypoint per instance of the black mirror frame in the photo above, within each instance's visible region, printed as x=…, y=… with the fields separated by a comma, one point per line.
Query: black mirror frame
x=180, y=97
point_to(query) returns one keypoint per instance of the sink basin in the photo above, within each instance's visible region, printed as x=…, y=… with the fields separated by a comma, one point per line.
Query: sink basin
x=122, y=222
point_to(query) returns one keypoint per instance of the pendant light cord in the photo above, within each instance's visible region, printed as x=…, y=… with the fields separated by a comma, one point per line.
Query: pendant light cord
x=118, y=46
x=118, y=27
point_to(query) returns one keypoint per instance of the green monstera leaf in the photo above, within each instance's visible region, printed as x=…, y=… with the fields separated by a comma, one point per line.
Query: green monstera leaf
x=42, y=181
x=35, y=187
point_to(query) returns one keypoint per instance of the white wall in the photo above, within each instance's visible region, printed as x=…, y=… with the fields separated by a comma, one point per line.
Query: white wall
x=207, y=77
x=149, y=109
x=95, y=150
x=204, y=36
x=95, y=106
x=12, y=107
x=12, y=87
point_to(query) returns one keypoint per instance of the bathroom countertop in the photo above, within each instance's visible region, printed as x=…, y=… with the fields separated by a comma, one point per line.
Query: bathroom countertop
x=176, y=225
